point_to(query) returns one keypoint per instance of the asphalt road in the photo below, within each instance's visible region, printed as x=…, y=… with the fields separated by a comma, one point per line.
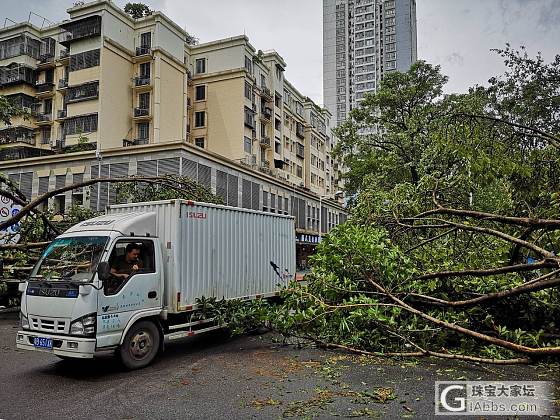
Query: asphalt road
x=213, y=377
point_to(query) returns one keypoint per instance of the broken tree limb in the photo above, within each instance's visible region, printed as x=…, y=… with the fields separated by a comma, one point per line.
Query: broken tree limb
x=541, y=283
x=530, y=351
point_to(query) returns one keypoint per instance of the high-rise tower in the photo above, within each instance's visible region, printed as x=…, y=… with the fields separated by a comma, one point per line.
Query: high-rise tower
x=362, y=41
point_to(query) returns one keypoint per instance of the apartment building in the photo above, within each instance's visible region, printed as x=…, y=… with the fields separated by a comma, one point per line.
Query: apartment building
x=108, y=95
x=362, y=41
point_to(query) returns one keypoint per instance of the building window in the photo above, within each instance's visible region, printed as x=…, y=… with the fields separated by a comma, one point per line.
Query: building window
x=145, y=70
x=143, y=130
x=146, y=39
x=248, y=91
x=46, y=135
x=199, y=142
x=200, y=93
x=84, y=60
x=247, y=145
x=248, y=65
x=278, y=147
x=199, y=119
x=200, y=65
x=299, y=171
x=144, y=100
x=249, y=117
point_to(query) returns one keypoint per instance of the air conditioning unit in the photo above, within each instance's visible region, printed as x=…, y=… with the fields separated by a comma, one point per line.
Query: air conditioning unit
x=26, y=109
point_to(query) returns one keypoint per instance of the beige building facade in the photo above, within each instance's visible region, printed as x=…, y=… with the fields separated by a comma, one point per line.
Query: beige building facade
x=103, y=93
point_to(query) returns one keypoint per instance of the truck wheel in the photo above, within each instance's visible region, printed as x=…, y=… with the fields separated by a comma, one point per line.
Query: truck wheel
x=140, y=345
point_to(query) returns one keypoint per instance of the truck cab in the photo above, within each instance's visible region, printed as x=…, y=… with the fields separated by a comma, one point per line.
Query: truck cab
x=75, y=304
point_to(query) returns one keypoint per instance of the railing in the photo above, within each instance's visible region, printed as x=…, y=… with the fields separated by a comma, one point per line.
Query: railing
x=267, y=113
x=59, y=144
x=143, y=50
x=46, y=58
x=43, y=87
x=266, y=93
x=81, y=29
x=16, y=135
x=44, y=117
x=265, y=141
x=141, y=80
x=64, y=54
x=62, y=83
x=141, y=112
x=135, y=142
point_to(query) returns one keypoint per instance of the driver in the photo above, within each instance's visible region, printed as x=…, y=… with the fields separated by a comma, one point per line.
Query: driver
x=129, y=263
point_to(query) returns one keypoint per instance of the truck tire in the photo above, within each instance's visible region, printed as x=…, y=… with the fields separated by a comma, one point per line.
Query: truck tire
x=140, y=346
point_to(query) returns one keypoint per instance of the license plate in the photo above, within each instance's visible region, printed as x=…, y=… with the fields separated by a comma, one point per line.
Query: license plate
x=43, y=342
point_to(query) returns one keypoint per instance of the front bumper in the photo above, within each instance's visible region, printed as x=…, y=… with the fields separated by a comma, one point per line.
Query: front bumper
x=78, y=347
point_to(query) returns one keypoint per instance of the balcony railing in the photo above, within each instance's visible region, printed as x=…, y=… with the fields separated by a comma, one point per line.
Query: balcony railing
x=46, y=58
x=43, y=87
x=17, y=135
x=85, y=28
x=64, y=54
x=141, y=112
x=141, y=80
x=135, y=142
x=143, y=50
x=62, y=83
x=44, y=117
x=59, y=144
x=267, y=113
x=62, y=113
x=266, y=94
x=265, y=141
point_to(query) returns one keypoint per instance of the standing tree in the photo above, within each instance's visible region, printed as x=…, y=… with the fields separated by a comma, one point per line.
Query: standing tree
x=137, y=10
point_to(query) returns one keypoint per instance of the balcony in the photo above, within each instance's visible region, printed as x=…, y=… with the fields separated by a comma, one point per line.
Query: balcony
x=143, y=50
x=44, y=118
x=15, y=74
x=300, y=130
x=64, y=54
x=142, y=81
x=141, y=113
x=62, y=83
x=85, y=28
x=266, y=113
x=266, y=94
x=44, y=88
x=135, y=142
x=17, y=135
x=265, y=141
x=300, y=151
x=61, y=114
x=46, y=60
x=59, y=144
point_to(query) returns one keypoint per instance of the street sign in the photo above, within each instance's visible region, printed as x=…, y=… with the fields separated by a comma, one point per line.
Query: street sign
x=9, y=209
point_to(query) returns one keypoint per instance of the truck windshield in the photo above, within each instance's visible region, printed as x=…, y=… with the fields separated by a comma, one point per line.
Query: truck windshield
x=70, y=259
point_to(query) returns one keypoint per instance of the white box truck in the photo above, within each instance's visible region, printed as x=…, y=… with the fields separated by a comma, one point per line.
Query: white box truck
x=129, y=279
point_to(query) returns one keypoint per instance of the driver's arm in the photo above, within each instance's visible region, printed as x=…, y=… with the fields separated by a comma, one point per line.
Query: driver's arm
x=117, y=274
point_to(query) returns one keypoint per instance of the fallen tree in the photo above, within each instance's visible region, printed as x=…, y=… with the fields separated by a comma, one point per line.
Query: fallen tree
x=452, y=248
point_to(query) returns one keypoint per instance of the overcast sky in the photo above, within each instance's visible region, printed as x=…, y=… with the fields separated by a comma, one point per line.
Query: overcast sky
x=457, y=34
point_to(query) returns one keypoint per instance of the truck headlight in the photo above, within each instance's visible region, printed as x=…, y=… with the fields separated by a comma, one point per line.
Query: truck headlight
x=23, y=321
x=84, y=326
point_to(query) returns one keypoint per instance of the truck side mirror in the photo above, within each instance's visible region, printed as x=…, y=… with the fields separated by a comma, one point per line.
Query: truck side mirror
x=103, y=271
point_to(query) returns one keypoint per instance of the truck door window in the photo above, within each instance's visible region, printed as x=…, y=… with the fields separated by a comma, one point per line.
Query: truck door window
x=129, y=257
